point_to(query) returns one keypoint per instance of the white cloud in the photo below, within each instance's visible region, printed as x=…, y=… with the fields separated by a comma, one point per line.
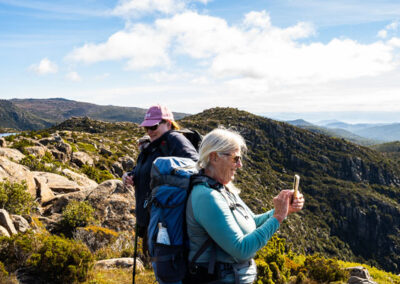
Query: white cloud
x=142, y=46
x=73, y=76
x=254, y=49
x=134, y=8
x=45, y=66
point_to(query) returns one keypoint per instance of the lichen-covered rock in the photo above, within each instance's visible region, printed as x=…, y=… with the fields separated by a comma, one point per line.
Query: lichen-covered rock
x=4, y=232
x=80, y=179
x=114, y=205
x=11, y=153
x=6, y=222
x=57, y=183
x=44, y=192
x=124, y=262
x=17, y=173
x=37, y=151
x=359, y=275
x=20, y=223
x=81, y=158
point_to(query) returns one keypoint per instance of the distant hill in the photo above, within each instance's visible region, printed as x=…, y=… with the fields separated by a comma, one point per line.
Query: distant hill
x=13, y=117
x=34, y=114
x=334, y=132
x=375, y=132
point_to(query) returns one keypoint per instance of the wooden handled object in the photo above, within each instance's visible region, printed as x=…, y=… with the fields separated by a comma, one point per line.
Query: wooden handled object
x=296, y=185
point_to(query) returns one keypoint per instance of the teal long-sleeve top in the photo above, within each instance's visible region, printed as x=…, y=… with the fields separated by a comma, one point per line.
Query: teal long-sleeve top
x=239, y=233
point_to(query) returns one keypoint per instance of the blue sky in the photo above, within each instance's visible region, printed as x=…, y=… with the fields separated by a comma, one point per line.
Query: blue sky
x=282, y=58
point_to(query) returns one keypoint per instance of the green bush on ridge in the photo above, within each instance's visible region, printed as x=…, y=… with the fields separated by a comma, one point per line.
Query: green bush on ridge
x=15, y=198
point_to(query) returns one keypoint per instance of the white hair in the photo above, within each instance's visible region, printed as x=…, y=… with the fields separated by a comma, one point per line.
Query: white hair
x=220, y=140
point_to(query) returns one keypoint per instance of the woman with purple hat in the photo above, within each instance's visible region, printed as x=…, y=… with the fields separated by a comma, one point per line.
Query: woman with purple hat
x=158, y=123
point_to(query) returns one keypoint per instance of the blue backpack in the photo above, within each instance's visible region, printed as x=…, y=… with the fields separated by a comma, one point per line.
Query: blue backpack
x=172, y=179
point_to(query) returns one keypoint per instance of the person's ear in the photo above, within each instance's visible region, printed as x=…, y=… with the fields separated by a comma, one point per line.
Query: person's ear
x=213, y=156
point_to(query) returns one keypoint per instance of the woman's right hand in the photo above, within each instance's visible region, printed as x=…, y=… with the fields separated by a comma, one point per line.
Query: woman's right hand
x=281, y=204
x=127, y=179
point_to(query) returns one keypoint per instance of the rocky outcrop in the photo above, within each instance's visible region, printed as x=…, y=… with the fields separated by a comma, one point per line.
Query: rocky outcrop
x=12, y=154
x=80, y=179
x=81, y=158
x=43, y=191
x=20, y=223
x=114, y=205
x=359, y=275
x=3, y=142
x=17, y=173
x=37, y=151
x=125, y=262
x=4, y=232
x=6, y=222
x=57, y=183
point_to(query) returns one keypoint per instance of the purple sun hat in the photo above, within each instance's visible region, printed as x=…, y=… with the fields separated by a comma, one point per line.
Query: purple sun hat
x=155, y=114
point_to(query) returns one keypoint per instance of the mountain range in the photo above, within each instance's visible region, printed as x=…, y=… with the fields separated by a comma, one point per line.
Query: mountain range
x=34, y=114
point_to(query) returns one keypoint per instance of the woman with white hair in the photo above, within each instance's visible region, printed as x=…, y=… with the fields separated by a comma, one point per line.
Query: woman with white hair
x=224, y=233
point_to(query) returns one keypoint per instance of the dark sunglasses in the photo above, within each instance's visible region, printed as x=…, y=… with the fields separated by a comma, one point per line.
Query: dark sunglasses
x=236, y=159
x=154, y=127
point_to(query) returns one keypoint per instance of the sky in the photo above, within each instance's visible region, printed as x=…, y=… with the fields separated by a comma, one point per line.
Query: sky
x=286, y=59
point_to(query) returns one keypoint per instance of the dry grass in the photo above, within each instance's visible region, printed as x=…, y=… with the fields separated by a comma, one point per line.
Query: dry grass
x=119, y=276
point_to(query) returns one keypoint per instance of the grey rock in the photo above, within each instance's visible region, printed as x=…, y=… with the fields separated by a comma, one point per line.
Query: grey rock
x=11, y=153
x=125, y=262
x=4, y=232
x=44, y=192
x=20, y=223
x=3, y=142
x=359, y=275
x=81, y=158
x=38, y=151
x=17, y=173
x=80, y=179
x=6, y=222
x=57, y=183
x=127, y=163
x=117, y=169
x=105, y=152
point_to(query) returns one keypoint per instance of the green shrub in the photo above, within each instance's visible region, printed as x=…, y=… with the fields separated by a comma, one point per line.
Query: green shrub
x=16, y=250
x=3, y=273
x=324, y=270
x=76, y=214
x=61, y=260
x=21, y=144
x=95, y=174
x=15, y=198
x=87, y=147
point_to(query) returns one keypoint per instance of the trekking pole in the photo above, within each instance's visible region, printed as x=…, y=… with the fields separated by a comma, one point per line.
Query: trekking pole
x=135, y=254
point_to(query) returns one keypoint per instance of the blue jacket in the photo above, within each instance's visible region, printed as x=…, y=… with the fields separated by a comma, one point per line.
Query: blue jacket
x=239, y=233
x=176, y=145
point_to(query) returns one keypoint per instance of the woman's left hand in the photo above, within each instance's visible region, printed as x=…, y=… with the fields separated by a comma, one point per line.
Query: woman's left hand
x=297, y=204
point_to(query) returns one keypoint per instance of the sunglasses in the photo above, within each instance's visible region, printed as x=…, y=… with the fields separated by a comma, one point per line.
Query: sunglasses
x=236, y=159
x=154, y=127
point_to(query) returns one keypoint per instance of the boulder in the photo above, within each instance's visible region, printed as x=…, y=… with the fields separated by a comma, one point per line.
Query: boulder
x=105, y=152
x=57, y=183
x=124, y=262
x=20, y=223
x=58, y=155
x=52, y=223
x=12, y=154
x=17, y=173
x=4, y=232
x=80, y=179
x=58, y=203
x=127, y=162
x=3, y=142
x=37, y=151
x=114, y=205
x=359, y=275
x=116, y=169
x=64, y=148
x=6, y=222
x=81, y=158
x=44, y=192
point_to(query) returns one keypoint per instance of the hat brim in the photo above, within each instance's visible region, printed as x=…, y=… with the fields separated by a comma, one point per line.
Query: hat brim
x=150, y=122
